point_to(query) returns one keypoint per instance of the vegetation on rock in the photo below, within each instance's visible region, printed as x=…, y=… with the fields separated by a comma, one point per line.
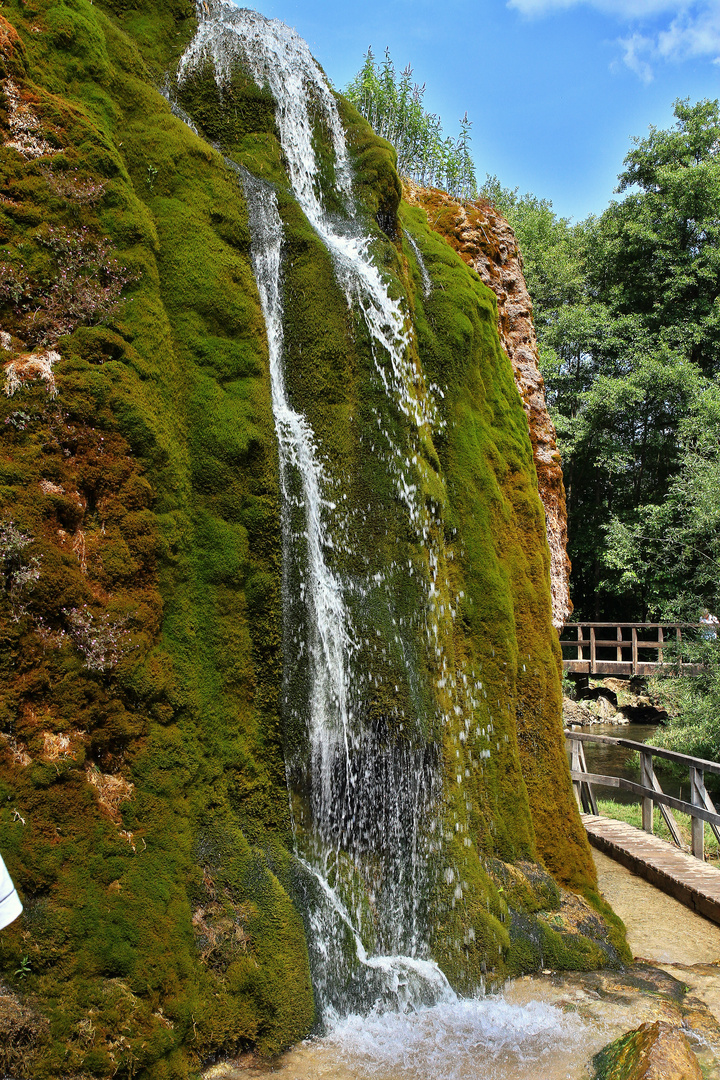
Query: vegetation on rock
x=394, y=109
x=144, y=811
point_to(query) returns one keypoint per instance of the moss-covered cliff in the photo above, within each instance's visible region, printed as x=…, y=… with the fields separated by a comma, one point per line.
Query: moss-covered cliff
x=144, y=811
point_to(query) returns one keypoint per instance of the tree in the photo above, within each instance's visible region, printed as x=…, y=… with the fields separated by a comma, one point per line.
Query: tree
x=671, y=550
x=657, y=252
x=627, y=309
x=394, y=108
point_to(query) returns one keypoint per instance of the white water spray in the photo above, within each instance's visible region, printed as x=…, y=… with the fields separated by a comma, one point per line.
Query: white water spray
x=371, y=826
x=277, y=57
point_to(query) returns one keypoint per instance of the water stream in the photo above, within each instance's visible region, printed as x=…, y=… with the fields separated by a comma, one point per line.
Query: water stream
x=362, y=808
x=365, y=810
x=368, y=803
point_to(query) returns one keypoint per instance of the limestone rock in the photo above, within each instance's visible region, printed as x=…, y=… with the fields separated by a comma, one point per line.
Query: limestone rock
x=577, y=712
x=606, y=709
x=484, y=240
x=657, y=1051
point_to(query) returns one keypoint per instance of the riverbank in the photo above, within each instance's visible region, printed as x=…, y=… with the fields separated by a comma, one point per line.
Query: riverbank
x=591, y=701
x=547, y=1024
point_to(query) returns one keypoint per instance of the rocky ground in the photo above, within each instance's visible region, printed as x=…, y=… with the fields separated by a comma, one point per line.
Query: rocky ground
x=611, y=701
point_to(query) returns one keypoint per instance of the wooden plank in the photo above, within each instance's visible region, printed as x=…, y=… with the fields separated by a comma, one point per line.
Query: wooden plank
x=612, y=643
x=666, y=811
x=578, y=667
x=710, y=805
x=639, y=625
x=575, y=769
x=697, y=826
x=611, y=667
x=639, y=789
x=658, y=751
x=691, y=882
x=586, y=788
x=646, y=781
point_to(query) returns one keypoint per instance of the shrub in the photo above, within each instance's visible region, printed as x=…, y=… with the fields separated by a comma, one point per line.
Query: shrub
x=395, y=111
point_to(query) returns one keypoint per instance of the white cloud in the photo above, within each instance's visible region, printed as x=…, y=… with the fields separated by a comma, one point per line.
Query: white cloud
x=692, y=34
x=625, y=9
x=633, y=49
x=690, y=29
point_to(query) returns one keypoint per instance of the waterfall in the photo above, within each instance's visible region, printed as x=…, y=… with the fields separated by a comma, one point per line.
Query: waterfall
x=397, y=979
x=366, y=810
x=424, y=276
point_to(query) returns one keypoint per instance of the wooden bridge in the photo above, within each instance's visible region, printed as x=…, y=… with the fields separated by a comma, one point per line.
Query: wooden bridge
x=624, y=649
x=683, y=875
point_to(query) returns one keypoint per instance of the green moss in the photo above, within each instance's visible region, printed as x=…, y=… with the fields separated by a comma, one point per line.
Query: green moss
x=152, y=847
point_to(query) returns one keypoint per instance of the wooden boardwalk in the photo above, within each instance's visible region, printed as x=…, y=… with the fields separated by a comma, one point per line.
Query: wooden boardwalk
x=626, y=649
x=690, y=881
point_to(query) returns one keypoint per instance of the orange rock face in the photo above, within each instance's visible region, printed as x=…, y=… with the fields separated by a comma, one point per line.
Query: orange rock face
x=484, y=240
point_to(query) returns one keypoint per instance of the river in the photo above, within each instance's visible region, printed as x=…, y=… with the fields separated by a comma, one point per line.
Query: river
x=612, y=760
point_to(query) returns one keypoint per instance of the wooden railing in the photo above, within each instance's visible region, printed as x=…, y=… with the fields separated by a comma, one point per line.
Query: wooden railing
x=700, y=808
x=624, y=648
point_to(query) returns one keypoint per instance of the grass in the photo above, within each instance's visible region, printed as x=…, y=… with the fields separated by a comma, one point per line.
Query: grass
x=631, y=814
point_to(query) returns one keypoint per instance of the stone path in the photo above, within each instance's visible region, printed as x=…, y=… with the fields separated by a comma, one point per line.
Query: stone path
x=690, y=881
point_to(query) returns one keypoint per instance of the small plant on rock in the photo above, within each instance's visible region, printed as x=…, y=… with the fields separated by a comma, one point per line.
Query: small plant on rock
x=18, y=569
x=24, y=970
x=102, y=639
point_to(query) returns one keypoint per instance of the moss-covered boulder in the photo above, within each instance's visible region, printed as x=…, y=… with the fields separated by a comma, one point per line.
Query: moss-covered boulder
x=657, y=1051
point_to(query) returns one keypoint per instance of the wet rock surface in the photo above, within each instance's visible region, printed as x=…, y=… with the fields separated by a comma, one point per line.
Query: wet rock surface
x=643, y=996
x=656, y=1051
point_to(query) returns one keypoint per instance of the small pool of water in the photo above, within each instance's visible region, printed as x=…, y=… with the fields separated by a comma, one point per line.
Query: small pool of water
x=490, y=1038
x=659, y=928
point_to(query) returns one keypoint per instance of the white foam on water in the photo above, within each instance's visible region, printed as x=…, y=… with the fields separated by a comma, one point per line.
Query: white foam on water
x=424, y=276
x=277, y=57
x=329, y=644
x=472, y=1039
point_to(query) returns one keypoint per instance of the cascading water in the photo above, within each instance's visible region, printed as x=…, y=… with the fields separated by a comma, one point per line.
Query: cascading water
x=366, y=806
x=424, y=276
x=334, y=759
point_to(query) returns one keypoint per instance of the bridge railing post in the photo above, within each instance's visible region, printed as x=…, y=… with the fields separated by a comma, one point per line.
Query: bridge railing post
x=575, y=766
x=592, y=650
x=646, y=778
x=634, y=650
x=697, y=827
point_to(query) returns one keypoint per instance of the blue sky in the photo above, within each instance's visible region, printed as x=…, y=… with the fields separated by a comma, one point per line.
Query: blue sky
x=555, y=88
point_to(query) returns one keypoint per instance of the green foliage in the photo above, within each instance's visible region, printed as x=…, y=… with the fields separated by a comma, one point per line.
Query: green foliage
x=394, y=108
x=670, y=548
x=24, y=970
x=627, y=308
x=551, y=249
